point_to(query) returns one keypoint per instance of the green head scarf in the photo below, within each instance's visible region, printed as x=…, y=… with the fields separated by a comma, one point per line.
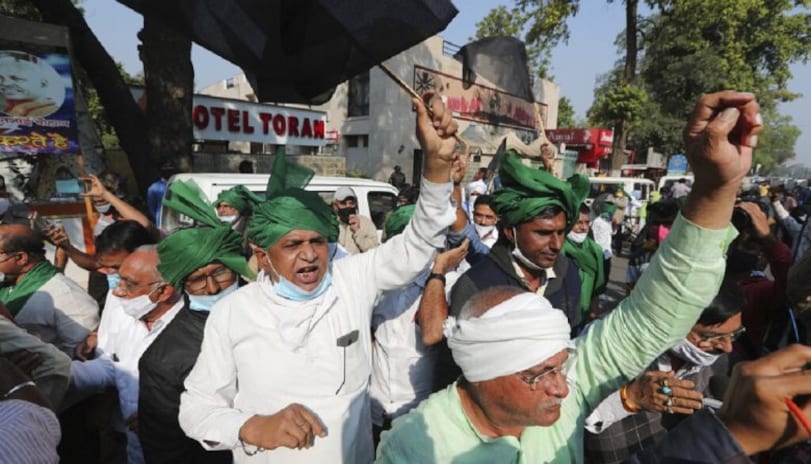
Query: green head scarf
x=527, y=191
x=289, y=207
x=240, y=198
x=185, y=197
x=187, y=250
x=398, y=220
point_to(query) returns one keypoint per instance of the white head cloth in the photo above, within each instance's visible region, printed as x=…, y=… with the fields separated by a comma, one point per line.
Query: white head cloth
x=477, y=187
x=510, y=337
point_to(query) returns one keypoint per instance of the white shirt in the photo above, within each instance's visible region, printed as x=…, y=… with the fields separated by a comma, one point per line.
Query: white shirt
x=260, y=352
x=61, y=313
x=121, y=342
x=402, y=367
x=602, y=235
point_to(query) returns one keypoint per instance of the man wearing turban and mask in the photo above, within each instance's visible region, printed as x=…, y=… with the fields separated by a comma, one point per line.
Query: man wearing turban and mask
x=526, y=387
x=205, y=264
x=284, y=365
x=536, y=210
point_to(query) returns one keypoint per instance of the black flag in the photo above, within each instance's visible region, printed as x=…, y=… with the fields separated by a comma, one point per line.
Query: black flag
x=500, y=60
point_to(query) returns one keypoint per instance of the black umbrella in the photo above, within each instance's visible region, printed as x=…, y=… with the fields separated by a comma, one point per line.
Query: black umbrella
x=297, y=51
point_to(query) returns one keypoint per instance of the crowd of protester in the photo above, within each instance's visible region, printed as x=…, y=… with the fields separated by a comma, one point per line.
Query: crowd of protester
x=286, y=330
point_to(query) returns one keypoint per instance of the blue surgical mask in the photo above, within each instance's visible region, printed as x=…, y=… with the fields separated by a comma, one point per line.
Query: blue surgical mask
x=291, y=291
x=206, y=302
x=112, y=280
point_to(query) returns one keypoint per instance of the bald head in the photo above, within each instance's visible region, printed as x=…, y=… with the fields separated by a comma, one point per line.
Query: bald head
x=141, y=265
x=481, y=302
x=19, y=237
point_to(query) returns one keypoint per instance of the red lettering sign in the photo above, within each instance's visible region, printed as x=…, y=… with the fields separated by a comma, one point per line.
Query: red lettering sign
x=265, y=117
x=306, y=128
x=233, y=120
x=218, y=113
x=318, y=129
x=246, y=123
x=279, y=125
x=292, y=126
x=200, y=117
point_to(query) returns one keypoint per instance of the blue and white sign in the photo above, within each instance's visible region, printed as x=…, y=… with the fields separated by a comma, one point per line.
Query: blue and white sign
x=677, y=164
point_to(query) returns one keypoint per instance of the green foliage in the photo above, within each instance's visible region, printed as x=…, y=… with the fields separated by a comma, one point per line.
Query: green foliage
x=776, y=142
x=357, y=173
x=700, y=46
x=109, y=138
x=565, y=114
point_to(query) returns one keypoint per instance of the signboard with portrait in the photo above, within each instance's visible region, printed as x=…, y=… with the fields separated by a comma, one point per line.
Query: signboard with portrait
x=475, y=102
x=36, y=100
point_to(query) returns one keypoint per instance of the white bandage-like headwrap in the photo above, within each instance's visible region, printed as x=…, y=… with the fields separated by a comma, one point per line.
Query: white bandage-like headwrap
x=509, y=338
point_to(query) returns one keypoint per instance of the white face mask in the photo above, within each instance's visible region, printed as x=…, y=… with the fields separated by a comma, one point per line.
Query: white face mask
x=137, y=307
x=228, y=219
x=693, y=354
x=102, y=208
x=519, y=255
x=483, y=231
x=577, y=238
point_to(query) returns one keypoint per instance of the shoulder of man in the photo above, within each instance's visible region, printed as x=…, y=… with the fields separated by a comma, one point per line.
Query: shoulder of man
x=412, y=437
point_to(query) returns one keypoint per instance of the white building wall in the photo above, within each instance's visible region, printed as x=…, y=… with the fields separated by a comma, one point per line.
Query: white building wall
x=390, y=125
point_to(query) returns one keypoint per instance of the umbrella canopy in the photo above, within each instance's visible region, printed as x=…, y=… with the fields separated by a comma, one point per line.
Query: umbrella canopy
x=297, y=51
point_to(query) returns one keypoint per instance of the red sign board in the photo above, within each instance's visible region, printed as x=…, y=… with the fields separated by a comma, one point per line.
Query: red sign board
x=591, y=144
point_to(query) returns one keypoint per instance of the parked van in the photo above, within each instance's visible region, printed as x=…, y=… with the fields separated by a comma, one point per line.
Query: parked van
x=668, y=181
x=375, y=199
x=630, y=185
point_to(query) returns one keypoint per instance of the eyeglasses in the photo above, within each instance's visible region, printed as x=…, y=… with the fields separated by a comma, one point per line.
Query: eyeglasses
x=548, y=376
x=128, y=287
x=713, y=339
x=221, y=276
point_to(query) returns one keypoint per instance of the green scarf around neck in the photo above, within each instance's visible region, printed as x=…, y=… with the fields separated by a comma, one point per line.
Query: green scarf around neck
x=588, y=256
x=15, y=297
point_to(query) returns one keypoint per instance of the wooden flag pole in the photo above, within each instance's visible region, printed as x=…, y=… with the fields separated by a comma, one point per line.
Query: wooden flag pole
x=404, y=85
x=88, y=204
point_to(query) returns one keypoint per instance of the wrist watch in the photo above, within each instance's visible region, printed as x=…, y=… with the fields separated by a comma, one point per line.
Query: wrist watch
x=437, y=276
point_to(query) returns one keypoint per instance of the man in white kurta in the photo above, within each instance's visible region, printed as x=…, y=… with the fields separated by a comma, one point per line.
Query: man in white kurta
x=262, y=352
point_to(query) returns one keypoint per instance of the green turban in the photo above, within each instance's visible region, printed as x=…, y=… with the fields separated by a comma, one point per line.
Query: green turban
x=185, y=197
x=240, y=198
x=398, y=220
x=186, y=250
x=608, y=209
x=527, y=191
x=289, y=207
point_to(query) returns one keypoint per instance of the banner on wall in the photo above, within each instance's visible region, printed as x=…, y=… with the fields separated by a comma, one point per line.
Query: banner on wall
x=37, y=114
x=477, y=102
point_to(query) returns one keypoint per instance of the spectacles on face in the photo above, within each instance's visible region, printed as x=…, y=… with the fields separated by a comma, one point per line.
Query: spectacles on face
x=127, y=287
x=548, y=375
x=714, y=339
x=222, y=277
x=11, y=254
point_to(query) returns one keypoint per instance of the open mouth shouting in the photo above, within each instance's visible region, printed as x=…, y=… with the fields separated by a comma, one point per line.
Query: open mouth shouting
x=307, y=275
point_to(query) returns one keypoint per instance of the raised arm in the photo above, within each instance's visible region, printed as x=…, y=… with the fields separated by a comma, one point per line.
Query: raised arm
x=126, y=210
x=686, y=272
x=398, y=261
x=433, y=309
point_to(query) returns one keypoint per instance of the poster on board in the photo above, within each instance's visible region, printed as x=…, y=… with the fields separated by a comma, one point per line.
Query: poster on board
x=37, y=113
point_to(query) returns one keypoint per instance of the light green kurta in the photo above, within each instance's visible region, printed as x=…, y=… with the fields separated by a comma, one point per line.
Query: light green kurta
x=680, y=282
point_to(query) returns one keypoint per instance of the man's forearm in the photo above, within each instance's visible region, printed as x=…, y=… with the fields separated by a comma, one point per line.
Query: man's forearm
x=711, y=209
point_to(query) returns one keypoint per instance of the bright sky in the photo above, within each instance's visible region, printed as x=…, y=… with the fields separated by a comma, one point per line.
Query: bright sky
x=575, y=66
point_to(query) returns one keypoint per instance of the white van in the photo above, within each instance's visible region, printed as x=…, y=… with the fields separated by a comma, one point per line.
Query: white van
x=375, y=199
x=630, y=185
x=668, y=181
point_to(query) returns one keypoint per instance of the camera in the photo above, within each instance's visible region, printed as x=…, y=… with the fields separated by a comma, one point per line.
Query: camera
x=741, y=219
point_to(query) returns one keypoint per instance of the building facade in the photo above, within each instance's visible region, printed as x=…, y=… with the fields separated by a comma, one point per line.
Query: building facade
x=370, y=118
